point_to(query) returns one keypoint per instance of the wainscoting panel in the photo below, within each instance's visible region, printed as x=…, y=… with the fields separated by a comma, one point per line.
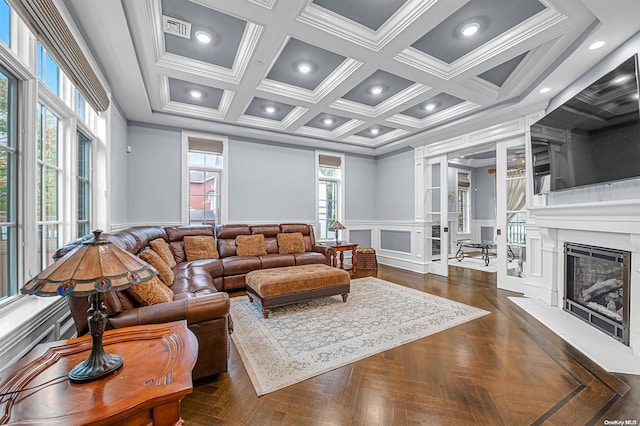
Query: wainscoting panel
x=395, y=240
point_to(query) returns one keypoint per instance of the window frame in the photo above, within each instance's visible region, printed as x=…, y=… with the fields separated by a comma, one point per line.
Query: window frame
x=340, y=182
x=224, y=173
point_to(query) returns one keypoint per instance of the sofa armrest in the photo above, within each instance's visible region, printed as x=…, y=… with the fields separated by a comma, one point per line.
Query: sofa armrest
x=326, y=250
x=195, y=310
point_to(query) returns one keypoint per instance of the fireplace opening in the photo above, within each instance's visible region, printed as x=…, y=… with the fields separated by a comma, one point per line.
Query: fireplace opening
x=597, y=287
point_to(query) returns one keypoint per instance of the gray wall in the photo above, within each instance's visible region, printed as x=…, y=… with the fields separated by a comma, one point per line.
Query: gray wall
x=118, y=169
x=395, y=187
x=154, y=175
x=484, y=194
x=360, y=188
x=270, y=183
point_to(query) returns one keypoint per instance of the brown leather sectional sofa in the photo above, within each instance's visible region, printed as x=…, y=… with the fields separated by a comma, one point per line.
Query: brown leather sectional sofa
x=200, y=286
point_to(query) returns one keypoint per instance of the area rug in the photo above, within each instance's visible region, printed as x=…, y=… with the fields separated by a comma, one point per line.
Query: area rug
x=306, y=339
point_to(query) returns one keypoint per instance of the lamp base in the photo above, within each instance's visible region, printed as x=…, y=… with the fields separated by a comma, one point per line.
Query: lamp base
x=95, y=367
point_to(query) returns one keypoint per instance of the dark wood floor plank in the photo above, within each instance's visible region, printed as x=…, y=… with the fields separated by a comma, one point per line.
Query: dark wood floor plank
x=503, y=368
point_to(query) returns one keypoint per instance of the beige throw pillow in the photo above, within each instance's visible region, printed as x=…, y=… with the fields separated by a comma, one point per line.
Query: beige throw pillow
x=160, y=246
x=290, y=243
x=250, y=245
x=164, y=272
x=199, y=247
x=151, y=292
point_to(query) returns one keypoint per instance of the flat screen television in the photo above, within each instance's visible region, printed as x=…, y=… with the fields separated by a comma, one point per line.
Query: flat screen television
x=593, y=138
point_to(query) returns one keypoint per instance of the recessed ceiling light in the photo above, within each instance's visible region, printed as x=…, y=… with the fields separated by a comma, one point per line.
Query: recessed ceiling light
x=430, y=106
x=304, y=67
x=596, y=45
x=375, y=131
x=328, y=121
x=470, y=29
x=204, y=37
x=269, y=109
x=544, y=90
x=376, y=90
x=195, y=93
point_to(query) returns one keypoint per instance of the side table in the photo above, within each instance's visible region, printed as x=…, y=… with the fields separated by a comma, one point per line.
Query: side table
x=147, y=389
x=341, y=247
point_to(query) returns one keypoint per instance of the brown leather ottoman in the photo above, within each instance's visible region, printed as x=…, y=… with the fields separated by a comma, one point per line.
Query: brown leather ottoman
x=282, y=286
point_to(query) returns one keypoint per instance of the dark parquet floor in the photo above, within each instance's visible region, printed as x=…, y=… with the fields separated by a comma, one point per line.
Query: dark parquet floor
x=505, y=368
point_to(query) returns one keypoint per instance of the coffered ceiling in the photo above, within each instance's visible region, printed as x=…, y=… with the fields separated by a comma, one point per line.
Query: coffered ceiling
x=365, y=76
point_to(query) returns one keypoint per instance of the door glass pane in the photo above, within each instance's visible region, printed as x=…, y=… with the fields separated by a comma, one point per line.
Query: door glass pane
x=515, y=209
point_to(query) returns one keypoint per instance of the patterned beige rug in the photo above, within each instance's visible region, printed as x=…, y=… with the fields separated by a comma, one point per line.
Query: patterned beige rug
x=306, y=339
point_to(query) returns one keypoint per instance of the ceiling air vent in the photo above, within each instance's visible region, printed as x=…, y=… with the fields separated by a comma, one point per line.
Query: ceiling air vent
x=176, y=27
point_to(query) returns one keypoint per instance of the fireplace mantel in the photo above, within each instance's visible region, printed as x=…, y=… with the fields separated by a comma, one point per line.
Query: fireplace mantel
x=611, y=216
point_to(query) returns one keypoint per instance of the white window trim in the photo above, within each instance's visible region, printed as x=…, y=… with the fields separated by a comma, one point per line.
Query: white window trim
x=341, y=191
x=224, y=184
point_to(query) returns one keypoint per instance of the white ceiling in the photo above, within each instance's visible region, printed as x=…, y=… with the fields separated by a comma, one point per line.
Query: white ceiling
x=410, y=47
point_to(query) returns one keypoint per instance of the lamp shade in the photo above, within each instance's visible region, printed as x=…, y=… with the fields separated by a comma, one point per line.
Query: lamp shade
x=337, y=225
x=96, y=265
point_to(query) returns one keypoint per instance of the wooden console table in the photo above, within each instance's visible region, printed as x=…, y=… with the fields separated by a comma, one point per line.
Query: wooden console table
x=146, y=390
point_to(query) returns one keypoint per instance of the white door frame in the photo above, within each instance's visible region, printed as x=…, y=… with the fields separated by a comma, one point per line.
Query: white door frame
x=436, y=213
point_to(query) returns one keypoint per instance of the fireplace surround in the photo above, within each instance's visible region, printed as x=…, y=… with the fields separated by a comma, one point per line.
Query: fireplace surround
x=597, y=287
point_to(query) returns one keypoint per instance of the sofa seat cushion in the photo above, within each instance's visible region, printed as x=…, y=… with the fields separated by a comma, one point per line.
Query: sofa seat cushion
x=213, y=266
x=190, y=279
x=235, y=265
x=309, y=258
x=277, y=260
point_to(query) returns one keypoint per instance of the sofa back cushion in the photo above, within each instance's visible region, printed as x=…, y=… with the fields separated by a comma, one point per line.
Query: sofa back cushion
x=270, y=233
x=198, y=247
x=226, y=238
x=250, y=245
x=290, y=243
x=305, y=230
x=176, y=234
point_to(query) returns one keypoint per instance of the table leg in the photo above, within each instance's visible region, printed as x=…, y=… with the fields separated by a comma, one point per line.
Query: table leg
x=460, y=253
x=354, y=260
x=334, y=260
x=341, y=260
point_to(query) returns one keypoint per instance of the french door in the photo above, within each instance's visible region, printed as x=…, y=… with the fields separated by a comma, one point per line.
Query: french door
x=436, y=215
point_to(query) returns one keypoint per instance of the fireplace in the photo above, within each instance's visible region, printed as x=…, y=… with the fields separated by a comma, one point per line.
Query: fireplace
x=597, y=287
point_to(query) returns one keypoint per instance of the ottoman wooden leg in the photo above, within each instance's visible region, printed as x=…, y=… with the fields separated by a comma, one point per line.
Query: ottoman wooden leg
x=250, y=298
x=344, y=297
x=265, y=312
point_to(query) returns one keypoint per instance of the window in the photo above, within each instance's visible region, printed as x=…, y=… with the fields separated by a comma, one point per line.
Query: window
x=464, y=205
x=83, y=185
x=8, y=187
x=205, y=181
x=5, y=22
x=329, y=194
x=48, y=173
x=48, y=70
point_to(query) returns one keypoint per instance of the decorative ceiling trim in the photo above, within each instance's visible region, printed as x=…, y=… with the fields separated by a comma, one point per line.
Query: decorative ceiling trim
x=247, y=46
x=536, y=25
x=344, y=70
x=336, y=133
x=394, y=101
x=360, y=35
x=167, y=105
x=286, y=122
x=269, y=4
x=433, y=119
x=377, y=140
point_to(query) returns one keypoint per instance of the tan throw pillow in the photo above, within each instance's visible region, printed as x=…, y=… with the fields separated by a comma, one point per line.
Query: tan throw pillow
x=164, y=272
x=250, y=245
x=290, y=243
x=160, y=246
x=151, y=292
x=200, y=247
